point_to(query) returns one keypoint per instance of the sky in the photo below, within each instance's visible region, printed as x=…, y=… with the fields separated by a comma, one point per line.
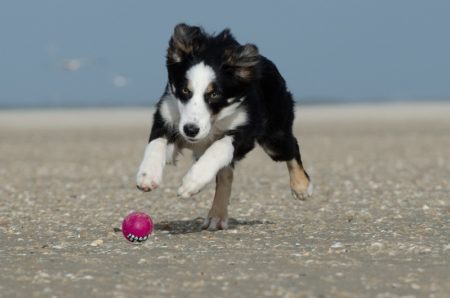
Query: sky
x=110, y=52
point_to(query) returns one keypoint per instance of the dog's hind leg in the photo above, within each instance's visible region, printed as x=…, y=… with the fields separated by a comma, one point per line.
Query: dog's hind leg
x=218, y=215
x=281, y=147
x=301, y=184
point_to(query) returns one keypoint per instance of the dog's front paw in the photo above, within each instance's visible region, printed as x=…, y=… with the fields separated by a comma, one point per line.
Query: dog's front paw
x=193, y=182
x=214, y=223
x=148, y=180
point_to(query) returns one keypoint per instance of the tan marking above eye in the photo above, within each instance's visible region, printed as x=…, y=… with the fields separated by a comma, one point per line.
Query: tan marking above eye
x=210, y=88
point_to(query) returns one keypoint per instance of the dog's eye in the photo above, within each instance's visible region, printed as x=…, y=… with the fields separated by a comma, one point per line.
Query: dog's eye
x=213, y=97
x=185, y=91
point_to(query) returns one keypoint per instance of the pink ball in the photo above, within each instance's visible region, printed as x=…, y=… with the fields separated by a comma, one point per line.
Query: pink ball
x=137, y=226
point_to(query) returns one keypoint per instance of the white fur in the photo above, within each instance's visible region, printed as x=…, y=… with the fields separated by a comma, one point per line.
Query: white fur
x=169, y=110
x=227, y=111
x=217, y=156
x=231, y=117
x=171, y=154
x=150, y=171
x=195, y=111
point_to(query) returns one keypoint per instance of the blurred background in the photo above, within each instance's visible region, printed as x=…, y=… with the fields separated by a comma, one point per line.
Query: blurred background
x=112, y=53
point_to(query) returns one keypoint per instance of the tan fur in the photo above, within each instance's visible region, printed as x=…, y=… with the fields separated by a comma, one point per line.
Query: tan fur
x=210, y=88
x=300, y=183
x=219, y=209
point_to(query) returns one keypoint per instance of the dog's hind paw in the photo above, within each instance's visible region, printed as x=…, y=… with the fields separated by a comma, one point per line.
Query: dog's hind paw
x=302, y=193
x=215, y=223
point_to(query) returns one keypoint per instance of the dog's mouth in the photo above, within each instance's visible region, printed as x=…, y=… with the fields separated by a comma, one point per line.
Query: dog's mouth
x=191, y=140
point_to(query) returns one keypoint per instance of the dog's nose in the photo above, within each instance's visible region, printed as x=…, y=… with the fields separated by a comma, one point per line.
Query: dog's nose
x=191, y=130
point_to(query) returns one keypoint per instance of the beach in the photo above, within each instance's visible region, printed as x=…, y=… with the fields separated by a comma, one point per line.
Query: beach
x=377, y=225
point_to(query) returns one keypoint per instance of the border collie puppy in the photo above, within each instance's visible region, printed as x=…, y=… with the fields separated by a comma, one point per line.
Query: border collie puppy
x=220, y=100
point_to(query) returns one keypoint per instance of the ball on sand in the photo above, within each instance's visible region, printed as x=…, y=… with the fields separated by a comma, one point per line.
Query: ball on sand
x=137, y=226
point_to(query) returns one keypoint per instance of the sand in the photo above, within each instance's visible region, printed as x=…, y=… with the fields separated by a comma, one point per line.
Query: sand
x=378, y=224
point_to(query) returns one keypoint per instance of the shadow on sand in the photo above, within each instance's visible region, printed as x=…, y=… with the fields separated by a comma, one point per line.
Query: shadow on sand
x=195, y=225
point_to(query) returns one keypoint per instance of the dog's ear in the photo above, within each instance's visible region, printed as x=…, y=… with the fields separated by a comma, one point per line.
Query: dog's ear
x=184, y=41
x=224, y=35
x=243, y=61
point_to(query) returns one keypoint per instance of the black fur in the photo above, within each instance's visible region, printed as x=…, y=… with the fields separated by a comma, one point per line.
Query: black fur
x=240, y=72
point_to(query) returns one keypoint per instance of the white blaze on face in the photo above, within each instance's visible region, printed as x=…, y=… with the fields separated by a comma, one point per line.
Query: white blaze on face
x=195, y=110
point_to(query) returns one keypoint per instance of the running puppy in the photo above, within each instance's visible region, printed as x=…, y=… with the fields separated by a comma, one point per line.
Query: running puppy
x=221, y=98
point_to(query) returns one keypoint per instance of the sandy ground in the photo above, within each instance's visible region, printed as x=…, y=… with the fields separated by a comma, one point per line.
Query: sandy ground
x=378, y=224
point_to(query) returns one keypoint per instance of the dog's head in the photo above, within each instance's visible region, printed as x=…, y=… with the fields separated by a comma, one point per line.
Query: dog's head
x=209, y=75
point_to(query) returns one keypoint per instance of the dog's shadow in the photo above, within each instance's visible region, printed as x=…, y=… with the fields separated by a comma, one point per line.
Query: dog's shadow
x=195, y=225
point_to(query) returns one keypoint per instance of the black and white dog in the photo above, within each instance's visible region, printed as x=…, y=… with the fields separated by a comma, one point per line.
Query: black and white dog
x=221, y=98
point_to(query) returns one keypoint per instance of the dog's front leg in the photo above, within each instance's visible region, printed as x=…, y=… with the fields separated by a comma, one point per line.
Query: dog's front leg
x=150, y=171
x=216, y=157
x=218, y=215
